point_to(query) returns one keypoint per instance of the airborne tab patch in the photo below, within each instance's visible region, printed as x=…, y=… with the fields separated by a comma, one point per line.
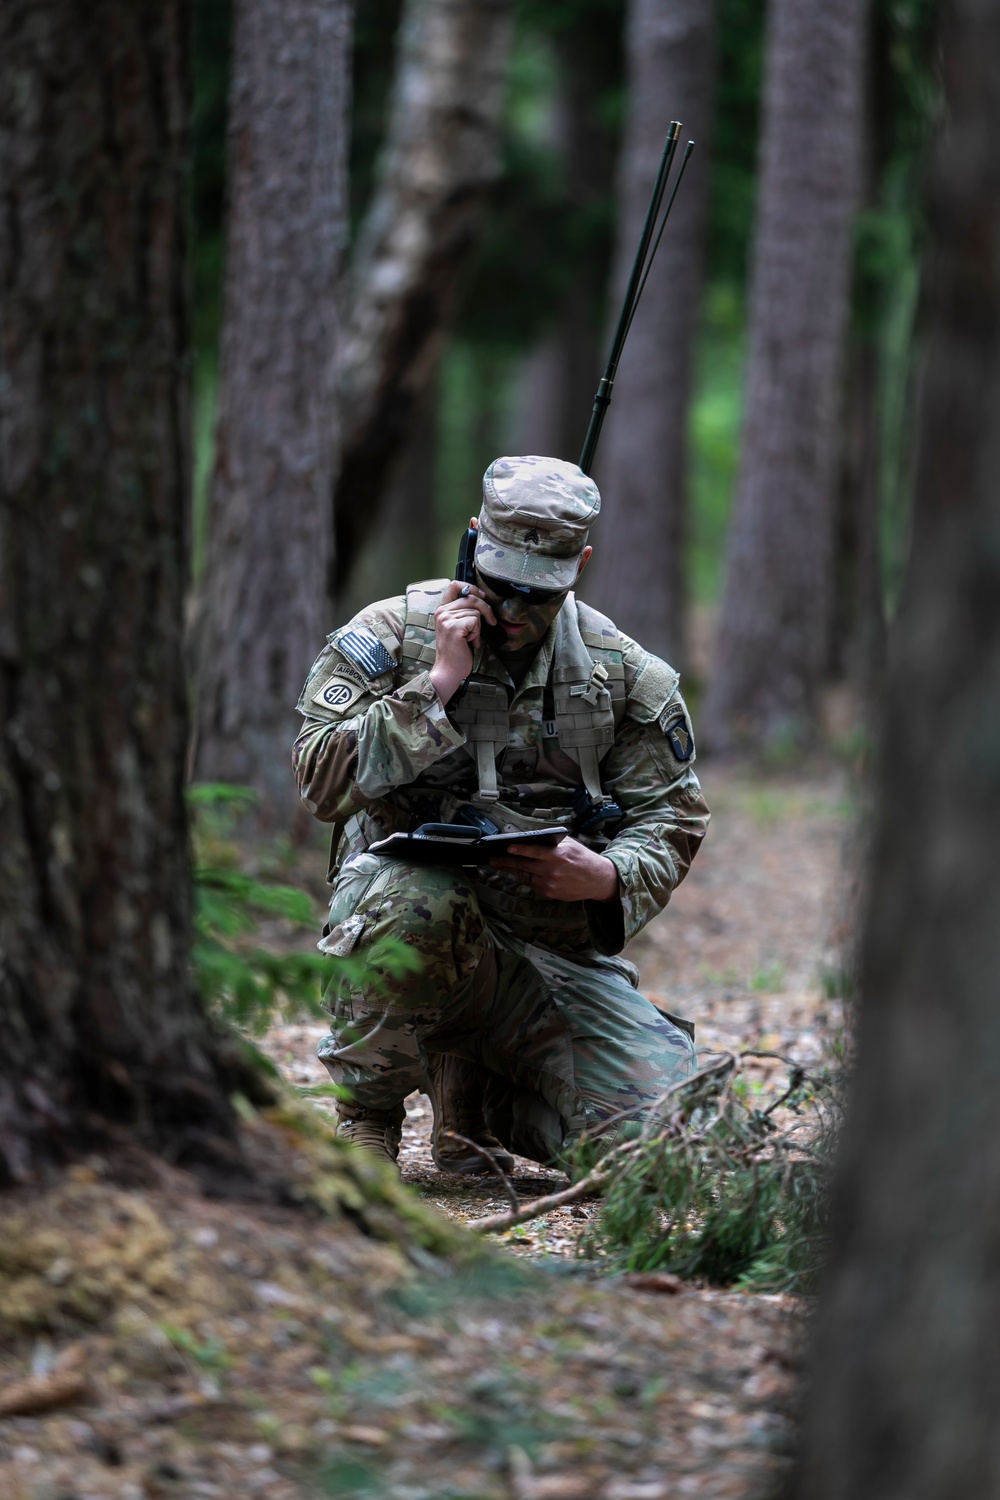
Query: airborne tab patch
x=680, y=738
x=339, y=693
x=364, y=648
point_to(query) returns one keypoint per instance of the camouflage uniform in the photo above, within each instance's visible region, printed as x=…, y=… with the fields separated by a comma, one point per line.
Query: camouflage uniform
x=527, y=988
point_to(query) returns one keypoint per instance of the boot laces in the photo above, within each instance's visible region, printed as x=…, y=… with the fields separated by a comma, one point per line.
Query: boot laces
x=371, y=1135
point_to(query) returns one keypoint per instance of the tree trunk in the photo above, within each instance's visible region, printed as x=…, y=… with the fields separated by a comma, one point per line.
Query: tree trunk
x=560, y=376
x=404, y=546
x=858, y=629
x=263, y=596
x=98, y=1020
x=423, y=224
x=772, y=646
x=857, y=632
x=906, y=1363
x=638, y=568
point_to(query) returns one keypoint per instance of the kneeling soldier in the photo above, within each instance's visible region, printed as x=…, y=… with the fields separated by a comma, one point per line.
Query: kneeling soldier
x=511, y=699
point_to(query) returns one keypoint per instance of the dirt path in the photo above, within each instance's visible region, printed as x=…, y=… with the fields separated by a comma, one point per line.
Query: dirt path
x=748, y=949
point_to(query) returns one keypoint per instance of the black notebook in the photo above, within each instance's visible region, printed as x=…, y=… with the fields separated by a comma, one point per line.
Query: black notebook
x=455, y=844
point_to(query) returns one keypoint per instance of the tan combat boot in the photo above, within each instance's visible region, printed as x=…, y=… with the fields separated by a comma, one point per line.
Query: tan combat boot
x=375, y=1132
x=454, y=1088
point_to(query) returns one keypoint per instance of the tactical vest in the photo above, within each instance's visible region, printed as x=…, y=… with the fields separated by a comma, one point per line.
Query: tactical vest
x=587, y=678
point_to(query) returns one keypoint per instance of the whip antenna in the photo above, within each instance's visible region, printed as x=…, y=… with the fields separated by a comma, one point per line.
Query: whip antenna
x=638, y=277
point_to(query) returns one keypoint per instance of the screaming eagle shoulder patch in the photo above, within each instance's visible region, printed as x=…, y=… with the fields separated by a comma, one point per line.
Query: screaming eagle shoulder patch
x=338, y=693
x=680, y=738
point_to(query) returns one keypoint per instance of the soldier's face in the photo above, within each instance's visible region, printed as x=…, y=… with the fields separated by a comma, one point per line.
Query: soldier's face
x=524, y=619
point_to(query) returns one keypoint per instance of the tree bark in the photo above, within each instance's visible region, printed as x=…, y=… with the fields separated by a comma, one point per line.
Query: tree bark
x=560, y=375
x=638, y=568
x=906, y=1365
x=773, y=632
x=858, y=627
x=263, y=596
x=404, y=546
x=98, y=1019
x=423, y=224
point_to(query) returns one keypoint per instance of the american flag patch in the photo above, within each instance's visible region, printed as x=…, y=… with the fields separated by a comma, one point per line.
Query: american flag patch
x=364, y=648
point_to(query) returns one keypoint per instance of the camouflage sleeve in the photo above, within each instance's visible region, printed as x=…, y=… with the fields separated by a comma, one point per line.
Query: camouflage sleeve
x=362, y=735
x=649, y=773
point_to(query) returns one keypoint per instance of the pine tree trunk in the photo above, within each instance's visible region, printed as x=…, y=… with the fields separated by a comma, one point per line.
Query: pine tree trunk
x=560, y=376
x=638, y=569
x=906, y=1362
x=424, y=222
x=263, y=597
x=858, y=628
x=404, y=547
x=857, y=634
x=772, y=645
x=98, y=1020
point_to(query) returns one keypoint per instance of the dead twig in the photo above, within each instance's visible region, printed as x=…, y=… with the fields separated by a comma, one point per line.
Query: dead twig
x=654, y=1109
x=491, y=1162
x=595, y=1179
x=592, y=1183
x=64, y=1384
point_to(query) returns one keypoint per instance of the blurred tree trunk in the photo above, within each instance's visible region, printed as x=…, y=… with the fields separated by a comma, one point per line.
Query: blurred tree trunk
x=906, y=1362
x=424, y=222
x=772, y=645
x=561, y=374
x=857, y=633
x=99, y=1024
x=403, y=546
x=263, y=596
x=638, y=568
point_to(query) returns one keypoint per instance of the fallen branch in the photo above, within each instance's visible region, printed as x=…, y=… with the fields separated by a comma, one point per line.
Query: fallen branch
x=585, y=1188
x=599, y=1175
x=656, y=1128
x=491, y=1162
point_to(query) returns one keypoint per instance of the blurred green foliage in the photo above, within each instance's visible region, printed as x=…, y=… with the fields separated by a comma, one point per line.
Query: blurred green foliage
x=242, y=981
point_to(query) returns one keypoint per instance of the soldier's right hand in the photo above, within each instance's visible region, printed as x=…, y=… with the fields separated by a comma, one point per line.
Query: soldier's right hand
x=457, y=633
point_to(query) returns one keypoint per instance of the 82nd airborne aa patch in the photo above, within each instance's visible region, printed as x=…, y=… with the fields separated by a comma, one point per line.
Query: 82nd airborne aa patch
x=338, y=693
x=680, y=738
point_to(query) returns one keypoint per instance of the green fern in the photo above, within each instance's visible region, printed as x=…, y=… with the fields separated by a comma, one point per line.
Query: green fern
x=243, y=982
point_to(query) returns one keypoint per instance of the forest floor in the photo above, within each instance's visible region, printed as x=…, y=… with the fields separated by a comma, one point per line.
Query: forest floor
x=749, y=949
x=157, y=1342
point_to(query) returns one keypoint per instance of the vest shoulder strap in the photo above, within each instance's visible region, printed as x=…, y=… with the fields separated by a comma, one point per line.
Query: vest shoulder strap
x=598, y=632
x=422, y=599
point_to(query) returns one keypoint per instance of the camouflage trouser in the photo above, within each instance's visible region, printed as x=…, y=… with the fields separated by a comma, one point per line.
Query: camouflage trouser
x=568, y=1043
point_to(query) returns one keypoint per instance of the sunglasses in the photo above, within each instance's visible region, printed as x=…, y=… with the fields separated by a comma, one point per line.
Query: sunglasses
x=501, y=588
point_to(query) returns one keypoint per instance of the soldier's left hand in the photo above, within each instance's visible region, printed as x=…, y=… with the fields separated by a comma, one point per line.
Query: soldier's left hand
x=569, y=871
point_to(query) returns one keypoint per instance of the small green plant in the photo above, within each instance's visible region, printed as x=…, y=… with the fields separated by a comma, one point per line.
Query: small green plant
x=241, y=981
x=713, y=1189
x=768, y=980
x=837, y=981
x=210, y=1353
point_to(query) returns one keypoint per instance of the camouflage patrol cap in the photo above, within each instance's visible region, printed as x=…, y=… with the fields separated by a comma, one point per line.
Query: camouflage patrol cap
x=534, y=522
